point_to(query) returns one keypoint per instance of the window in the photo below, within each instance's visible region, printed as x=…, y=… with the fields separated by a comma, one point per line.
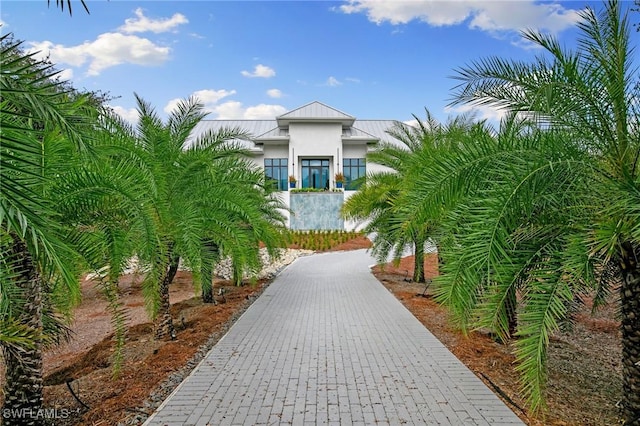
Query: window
x=275, y=169
x=315, y=174
x=353, y=169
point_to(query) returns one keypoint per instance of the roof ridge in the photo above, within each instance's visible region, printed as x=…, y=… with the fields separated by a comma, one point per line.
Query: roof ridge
x=307, y=105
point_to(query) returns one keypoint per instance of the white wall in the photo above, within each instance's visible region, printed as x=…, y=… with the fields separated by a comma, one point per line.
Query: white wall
x=317, y=140
x=284, y=197
x=354, y=151
x=275, y=151
x=314, y=140
x=350, y=225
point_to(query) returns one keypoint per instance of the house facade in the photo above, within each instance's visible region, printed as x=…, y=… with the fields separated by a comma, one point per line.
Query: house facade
x=312, y=144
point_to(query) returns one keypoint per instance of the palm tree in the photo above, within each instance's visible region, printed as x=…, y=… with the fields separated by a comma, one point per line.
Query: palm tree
x=61, y=3
x=381, y=201
x=46, y=159
x=204, y=195
x=558, y=239
x=33, y=107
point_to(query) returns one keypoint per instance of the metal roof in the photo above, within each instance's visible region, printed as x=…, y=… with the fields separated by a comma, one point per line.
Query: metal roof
x=276, y=133
x=377, y=128
x=314, y=111
x=253, y=128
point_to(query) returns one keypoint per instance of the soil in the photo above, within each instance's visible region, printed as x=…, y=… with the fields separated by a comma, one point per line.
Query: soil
x=584, y=364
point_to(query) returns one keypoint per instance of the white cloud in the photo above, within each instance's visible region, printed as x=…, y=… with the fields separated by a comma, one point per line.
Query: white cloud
x=264, y=111
x=274, y=93
x=500, y=16
x=113, y=48
x=171, y=105
x=402, y=12
x=141, y=23
x=65, y=74
x=108, y=50
x=131, y=114
x=234, y=110
x=229, y=110
x=261, y=71
x=492, y=16
x=332, y=82
x=208, y=97
x=59, y=54
x=481, y=112
x=353, y=80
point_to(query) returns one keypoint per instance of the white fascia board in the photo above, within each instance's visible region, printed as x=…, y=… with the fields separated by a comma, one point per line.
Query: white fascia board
x=358, y=140
x=256, y=152
x=346, y=122
x=275, y=140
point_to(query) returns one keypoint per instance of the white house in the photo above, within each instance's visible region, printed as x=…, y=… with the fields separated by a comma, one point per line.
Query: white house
x=312, y=143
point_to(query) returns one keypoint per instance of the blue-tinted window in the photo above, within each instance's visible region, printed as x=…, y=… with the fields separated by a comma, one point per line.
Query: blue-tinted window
x=315, y=174
x=353, y=169
x=275, y=169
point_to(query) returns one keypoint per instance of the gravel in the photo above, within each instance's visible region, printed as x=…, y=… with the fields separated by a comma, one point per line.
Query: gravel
x=271, y=266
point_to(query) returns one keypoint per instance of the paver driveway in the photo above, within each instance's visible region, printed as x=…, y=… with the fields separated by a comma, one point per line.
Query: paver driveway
x=326, y=343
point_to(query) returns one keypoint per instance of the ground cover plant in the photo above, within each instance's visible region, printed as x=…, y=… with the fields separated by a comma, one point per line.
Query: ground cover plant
x=319, y=240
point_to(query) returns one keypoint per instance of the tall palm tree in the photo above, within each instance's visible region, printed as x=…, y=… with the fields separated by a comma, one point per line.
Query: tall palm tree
x=204, y=194
x=61, y=5
x=32, y=108
x=589, y=101
x=46, y=159
x=380, y=201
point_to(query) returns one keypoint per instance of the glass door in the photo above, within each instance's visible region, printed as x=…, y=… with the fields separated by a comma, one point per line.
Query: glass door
x=315, y=174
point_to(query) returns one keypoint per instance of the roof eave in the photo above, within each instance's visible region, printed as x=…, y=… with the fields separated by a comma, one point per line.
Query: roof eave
x=345, y=122
x=273, y=140
x=358, y=140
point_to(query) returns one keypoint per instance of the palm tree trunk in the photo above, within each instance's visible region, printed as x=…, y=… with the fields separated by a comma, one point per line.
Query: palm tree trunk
x=418, y=263
x=630, y=306
x=164, y=321
x=511, y=308
x=210, y=251
x=207, y=286
x=23, y=382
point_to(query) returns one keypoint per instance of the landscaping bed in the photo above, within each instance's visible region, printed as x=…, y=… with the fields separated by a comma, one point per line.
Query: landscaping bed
x=584, y=365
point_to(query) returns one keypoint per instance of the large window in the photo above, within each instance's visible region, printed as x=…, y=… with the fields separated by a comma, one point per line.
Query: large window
x=315, y=174
x=353, y=169
x=275, y=169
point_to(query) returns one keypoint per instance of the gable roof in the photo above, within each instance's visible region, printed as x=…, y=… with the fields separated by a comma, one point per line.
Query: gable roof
x=276, y=129
x=315, y=111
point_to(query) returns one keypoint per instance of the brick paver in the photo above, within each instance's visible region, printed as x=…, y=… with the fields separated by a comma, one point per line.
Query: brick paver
x=326, y=343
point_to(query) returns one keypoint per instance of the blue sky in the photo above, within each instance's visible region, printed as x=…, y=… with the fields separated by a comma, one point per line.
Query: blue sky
x=371, y=59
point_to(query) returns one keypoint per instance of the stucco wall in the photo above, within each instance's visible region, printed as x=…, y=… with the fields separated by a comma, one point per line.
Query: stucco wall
x=354, y=151
x=276, y=151
x=315, y=140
